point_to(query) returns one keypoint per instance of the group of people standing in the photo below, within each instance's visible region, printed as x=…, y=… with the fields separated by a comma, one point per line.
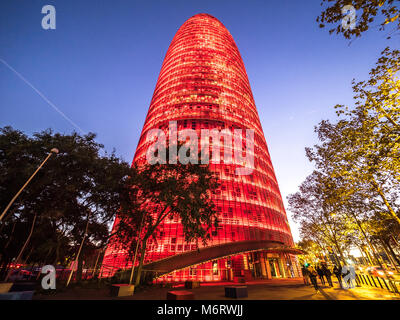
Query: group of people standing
x=321, y=271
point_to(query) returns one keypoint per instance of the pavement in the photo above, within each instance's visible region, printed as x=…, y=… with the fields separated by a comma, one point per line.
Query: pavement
x=276, y=289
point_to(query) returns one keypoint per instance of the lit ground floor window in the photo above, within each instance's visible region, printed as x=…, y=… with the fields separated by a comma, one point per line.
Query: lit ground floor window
x=249, y=266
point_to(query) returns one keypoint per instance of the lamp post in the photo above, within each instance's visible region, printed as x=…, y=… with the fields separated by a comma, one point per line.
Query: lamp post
x=55, y=151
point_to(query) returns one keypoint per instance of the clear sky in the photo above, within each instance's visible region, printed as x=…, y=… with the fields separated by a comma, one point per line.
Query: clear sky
x=101, y=63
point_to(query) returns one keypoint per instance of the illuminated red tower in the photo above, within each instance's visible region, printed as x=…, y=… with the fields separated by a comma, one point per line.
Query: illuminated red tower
x=203, y=85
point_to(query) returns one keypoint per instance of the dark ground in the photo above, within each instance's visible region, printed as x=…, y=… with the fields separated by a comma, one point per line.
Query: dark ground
x=277, y=289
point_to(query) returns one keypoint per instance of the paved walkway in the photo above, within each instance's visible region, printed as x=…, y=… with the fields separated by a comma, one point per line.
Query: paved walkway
x=282, y=289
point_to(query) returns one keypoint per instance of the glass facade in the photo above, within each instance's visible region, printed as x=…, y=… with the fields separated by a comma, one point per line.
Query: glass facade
x=203, y=85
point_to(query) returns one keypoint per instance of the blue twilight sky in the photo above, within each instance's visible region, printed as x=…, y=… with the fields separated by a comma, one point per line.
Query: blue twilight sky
x=101, y=64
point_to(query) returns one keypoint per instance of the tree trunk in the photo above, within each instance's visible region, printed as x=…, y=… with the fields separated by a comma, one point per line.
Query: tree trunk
x=387, y=242
x=23, y=247
x=4, y=256
x=387, y=204
x=3, y=269
x=28, y=256
x=365, y=237
x=79, y=252
x=79, y=269
x=371, y=258
x=95, y=265
x=11, y=236
x=140, y=266
x=339, y=250
x=137, y=246
x=367, y=255
x=57, y=258
x=395, y=241
x=47, y=255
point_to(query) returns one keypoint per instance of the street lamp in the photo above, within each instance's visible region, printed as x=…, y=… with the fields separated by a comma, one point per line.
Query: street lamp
x=55, y=151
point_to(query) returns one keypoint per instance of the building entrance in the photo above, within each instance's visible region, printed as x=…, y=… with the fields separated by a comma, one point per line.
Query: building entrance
x=272, y=267
x=276, y=271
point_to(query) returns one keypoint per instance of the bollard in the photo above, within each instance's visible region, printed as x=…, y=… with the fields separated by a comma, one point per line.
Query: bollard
x=374, y=281
x=379, y=282
x=369, y=280
x=384, y=281
x=180, y=295
x=236, y=292
x=358, y=281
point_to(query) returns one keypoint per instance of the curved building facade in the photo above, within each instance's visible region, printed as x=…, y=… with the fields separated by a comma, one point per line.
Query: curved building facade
x=203, y=85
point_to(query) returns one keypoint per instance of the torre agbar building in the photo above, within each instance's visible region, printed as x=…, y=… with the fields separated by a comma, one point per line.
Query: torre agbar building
x=203, y=85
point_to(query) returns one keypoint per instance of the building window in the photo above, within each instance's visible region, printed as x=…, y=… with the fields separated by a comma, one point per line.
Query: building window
x=215, y=268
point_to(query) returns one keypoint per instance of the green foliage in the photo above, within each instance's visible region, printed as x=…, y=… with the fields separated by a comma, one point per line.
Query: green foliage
x=75, y=188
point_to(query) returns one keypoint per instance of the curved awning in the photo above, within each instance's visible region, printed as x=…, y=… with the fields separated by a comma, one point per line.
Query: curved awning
x=206, y=254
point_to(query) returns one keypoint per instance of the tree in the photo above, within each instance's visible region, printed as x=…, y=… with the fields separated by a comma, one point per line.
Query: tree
x=313, y=208
x=312, y=251
x=386, y=11
x=357, y=166
x=357, y=157
x=161, y=191
x=78, y=188
x=384, y=228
